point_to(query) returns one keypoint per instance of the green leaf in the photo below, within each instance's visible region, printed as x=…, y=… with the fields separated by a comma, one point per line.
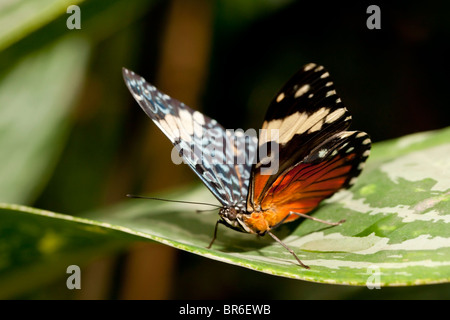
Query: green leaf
x=21, y=17
x=396, y=231
x=36, y=96
x=37, y=246
x=234, y=15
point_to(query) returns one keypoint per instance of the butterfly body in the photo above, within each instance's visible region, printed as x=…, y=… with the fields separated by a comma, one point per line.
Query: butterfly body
x=302, y=156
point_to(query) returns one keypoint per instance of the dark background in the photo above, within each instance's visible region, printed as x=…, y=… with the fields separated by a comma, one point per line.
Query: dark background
x=228, y=59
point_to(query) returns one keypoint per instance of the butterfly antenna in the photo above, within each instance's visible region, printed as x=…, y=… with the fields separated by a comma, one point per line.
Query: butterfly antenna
x=206, y=210
x=169, y=200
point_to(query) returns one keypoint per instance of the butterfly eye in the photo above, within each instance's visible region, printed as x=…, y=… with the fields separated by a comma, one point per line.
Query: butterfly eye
x=228, y=213
x=231, y=214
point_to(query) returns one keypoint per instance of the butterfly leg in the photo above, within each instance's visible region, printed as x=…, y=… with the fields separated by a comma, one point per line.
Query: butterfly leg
x=302, y=215
x=288, y=249
x=214, y=236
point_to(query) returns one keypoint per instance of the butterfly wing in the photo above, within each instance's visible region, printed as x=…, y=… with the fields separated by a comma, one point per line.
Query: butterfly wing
x=209, y=149
x=317, y=157
x=333, y=165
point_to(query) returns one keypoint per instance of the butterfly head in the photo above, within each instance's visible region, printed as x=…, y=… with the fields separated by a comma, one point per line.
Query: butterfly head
x=233, y=217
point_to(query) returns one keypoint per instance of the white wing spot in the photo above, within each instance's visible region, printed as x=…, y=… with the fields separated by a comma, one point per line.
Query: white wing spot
x=186, y=121
x=330, y=93
x=312, y=122
x=361, y=134
x=302, y=90
x=319, y=68
x=198, y=130
x=326, y=74
x=296, y=123
x=322, y=153
x=198, y=117
x=169, y=123
x=346, y=134
x=199, y=122
x=311, y=95
x=309, y=66
x=336, y=114
x=366, y=153
x=138, y=96
x=316, y=127
x=329, y=84
x=280, y=97
x=349, y=150
x=366, y=141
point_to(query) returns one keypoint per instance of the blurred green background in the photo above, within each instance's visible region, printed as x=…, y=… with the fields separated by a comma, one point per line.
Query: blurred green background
x=83, y=142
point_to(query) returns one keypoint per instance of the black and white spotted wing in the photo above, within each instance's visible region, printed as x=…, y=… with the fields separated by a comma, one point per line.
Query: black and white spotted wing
x=208, y=148
x=305, y=112
x=317, y=157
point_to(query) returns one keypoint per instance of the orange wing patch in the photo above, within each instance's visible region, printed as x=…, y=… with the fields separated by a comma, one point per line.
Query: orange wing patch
x=299, y=190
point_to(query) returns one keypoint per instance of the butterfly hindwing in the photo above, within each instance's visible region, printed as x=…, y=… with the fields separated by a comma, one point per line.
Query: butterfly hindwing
x=203, y=143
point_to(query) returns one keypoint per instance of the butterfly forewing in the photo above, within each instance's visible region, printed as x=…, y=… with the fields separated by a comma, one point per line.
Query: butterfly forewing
x=317, y=157
x=304, y=113
x=333, y=165
x=203, y=143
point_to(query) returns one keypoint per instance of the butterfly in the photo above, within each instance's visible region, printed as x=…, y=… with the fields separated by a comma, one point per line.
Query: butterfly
x=308, y=154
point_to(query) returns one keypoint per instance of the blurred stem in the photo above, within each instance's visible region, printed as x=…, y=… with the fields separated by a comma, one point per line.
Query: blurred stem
x=185, y=49
x=96, y=279
x=148, y=272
